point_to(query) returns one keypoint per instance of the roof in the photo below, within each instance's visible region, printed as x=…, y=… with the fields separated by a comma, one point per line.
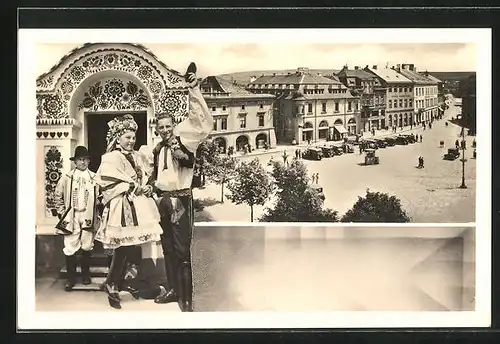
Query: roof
x=295, y=78
x=431, y=77
x=416, y=77
x=233, y=90
x=390, y=75
x=355, y=73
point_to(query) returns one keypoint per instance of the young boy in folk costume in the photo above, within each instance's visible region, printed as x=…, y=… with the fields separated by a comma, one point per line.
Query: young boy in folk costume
x=172, y=180
x=76, y=197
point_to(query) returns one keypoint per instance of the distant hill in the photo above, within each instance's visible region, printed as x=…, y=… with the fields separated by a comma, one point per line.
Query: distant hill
x=452, y=76
x=243, y=78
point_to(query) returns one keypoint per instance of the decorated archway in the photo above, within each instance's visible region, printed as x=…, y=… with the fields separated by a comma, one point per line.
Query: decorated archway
x=90, y=81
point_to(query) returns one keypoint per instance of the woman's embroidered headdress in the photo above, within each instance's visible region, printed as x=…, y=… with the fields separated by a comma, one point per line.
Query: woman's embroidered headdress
x=118, y=126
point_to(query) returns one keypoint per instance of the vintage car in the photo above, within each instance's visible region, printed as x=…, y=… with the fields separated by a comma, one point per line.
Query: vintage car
x=381, y=143
x=401, y=140
x=327, y=151
x=319, y=190
x=369, y=144
x=452, y=154
x=312, y=154
x=337, y=150
x=390, y=141
x=370, y=157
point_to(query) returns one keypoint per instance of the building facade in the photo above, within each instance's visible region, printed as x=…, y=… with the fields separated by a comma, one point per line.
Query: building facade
x=469, y=103
x=241, y=118
x=399, y=96
x=425, y=93
x=309, y=107
x=372, y=96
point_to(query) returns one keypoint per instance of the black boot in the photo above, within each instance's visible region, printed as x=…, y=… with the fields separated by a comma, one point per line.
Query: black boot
x=70, y=272
x=168, y=292
x=187, y=287
x=115, y=277
x=85, y=266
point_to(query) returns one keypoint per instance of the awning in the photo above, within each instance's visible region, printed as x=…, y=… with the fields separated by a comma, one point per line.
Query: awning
x=340, y=128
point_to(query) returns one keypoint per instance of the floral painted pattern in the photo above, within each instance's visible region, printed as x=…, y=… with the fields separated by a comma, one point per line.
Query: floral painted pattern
x=53, y=167
x=114, y=94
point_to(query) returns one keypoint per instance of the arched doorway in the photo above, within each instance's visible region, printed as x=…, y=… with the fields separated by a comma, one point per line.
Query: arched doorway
x=221, y=143
x=307, y=132
x=351, y=126
x=241, y=142
x=323, y=130
x=261, y=141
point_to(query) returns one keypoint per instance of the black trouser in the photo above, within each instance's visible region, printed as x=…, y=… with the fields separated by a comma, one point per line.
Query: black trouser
x=176, y=243
x=117, y=270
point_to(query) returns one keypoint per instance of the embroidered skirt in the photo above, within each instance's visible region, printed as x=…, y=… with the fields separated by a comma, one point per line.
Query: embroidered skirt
x=128, y=222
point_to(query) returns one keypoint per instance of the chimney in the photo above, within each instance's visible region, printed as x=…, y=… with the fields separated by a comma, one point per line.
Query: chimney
x=374, y=67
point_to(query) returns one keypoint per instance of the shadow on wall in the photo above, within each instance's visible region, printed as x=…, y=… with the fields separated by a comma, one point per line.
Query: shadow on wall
x=252, y=269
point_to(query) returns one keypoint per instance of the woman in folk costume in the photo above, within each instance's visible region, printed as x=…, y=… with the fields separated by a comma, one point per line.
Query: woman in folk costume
x=130, y=217
x=76, y=205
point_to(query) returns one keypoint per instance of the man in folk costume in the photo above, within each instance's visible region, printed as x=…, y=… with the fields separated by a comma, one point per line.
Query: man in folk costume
x=76, y=197
x=172, y=181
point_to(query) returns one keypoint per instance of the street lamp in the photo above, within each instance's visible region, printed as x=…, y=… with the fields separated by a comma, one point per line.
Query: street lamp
x=463, y=186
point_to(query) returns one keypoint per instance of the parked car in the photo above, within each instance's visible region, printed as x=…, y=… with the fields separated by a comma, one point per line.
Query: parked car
x=328, y=152
x=369, y=143
x=312, y=154
x=381, y=143
x=452, y=154
x=401, y=140
x=319, y=190
x=391, y=141
x=370, y=157
x=337, y=150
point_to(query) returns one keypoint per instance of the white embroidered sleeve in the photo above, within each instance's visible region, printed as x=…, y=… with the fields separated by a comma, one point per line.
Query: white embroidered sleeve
x=199, y=123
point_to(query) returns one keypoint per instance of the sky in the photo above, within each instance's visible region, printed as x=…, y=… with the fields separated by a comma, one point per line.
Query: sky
x=220, y=58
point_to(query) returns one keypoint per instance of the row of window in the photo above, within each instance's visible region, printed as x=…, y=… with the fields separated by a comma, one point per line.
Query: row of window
x=426, y=102
x=400, y=89
x=221, y=123
x=407, y=103
x=323, y=107
x=224, y=107
x=426, y=91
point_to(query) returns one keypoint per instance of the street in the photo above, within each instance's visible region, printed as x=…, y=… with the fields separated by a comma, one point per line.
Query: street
x=428, y=195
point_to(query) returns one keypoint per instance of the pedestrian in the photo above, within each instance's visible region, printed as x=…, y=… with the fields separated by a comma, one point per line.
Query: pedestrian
x=420, y=138
x=456, y=143
x=421, y=162
x=172, y=183
x=285, y=158
x=76, y=198
x=317, y=178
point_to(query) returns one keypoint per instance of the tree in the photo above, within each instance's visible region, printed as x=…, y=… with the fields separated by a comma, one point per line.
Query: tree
x=376, y=207
x=296, y=201
x=250, y=186
x=220, y=171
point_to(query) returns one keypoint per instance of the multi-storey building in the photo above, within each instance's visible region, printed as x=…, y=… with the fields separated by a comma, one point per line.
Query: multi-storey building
x=425, y=93
x=240, y=117
x=468, y=88
x=309, y=107
x=399, y=96
x=372, y=96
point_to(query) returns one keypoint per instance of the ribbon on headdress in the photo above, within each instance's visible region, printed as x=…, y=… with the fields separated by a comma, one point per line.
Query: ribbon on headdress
x=117, y=127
